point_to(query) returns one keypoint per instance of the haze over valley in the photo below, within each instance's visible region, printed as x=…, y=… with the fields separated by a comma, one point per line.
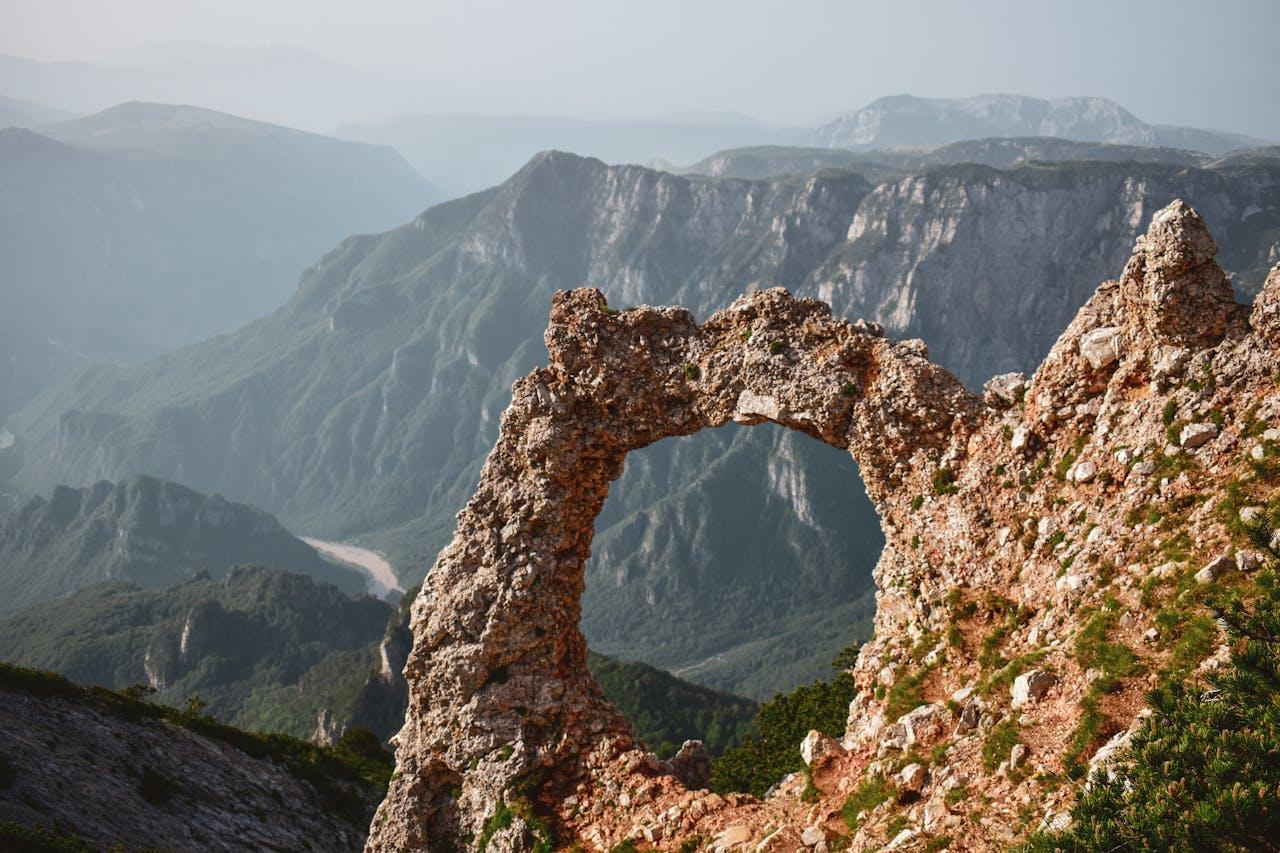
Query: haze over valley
x=351, y=366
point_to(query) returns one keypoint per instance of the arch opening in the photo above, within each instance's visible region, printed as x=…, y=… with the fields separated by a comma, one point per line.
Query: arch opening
x=738, y=558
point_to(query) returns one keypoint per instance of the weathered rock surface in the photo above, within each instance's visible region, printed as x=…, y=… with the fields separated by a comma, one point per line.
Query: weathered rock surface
x=499, y=687
x=501, y=708
x=81, y=770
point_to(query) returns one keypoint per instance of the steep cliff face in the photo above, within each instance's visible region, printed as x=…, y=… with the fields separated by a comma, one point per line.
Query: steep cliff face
x=1033, y=584
x=368, y=402
x=141, y=531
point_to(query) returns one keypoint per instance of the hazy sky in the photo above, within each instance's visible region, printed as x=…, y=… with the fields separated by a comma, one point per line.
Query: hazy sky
x=1178, y=61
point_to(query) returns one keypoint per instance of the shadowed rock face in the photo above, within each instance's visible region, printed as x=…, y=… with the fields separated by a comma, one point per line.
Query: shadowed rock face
x=500, y=688
x=504, y=720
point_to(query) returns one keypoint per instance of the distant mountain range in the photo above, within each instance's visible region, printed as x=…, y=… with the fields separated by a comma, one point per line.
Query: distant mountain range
x=771, y=161
x=149, y=226
x=141, y=531
x=15, y=112
x=464, y=153
x=907, y=120
x=366, y=404
x=461, y=148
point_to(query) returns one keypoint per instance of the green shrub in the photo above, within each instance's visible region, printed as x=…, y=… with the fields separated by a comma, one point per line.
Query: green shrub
x=1000, y=740
x=773, y=750
x=1069, y=458
x=21, y=838
x=871, y=793
x=776, y=347
x=501, y=818
x=1205, y=772
x=944, y=482
x=906, y=694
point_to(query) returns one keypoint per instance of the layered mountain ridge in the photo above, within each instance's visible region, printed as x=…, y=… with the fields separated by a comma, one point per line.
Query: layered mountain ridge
x=366, y=403
x=908, y=120
x=266, y=650
x=142, y=531
x=879, y=164
x=150, y=226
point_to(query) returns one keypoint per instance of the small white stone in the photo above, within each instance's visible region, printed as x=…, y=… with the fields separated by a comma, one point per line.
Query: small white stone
x=812, y=835
x=911, y=778
x=1215, y=569
x=1101, y=346
x=1250, y=561
x=1031, y=685
x=1197, y=434
x=1083, y=472
x=815, y=745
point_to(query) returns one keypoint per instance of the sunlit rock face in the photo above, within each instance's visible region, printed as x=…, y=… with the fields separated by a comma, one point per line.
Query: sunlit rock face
x=1013, y=505
x=500, y=694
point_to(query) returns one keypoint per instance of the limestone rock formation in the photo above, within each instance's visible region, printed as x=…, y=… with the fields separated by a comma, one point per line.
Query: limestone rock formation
x=499, y=687
x=508, y=739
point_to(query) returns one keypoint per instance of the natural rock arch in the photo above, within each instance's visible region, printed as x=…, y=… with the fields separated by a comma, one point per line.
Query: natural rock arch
x=501, y=703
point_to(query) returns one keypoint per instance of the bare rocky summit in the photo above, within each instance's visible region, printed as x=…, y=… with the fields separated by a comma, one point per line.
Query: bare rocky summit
x=1012, y=524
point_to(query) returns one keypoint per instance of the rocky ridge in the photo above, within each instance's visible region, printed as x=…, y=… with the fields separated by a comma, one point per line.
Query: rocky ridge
x=366, y=405
x=1020, y=526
